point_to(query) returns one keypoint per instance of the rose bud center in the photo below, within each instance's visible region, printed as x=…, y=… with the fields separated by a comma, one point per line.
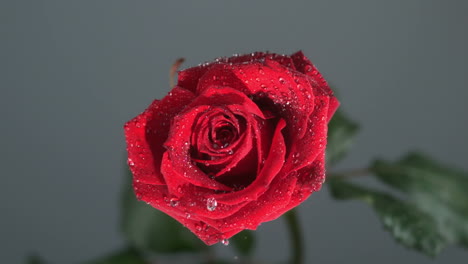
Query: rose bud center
x=224, y=136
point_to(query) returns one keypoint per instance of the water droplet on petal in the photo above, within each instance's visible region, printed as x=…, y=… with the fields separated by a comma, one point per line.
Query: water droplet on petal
x=174, y=202
x=211, y=175
x=225, y=242
x=211, y=204
x=130, y=162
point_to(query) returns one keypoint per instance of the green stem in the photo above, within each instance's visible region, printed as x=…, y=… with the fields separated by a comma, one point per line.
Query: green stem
x=297, y=256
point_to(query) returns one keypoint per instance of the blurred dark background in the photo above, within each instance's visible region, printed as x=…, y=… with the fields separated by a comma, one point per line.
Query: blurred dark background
x=72, y=72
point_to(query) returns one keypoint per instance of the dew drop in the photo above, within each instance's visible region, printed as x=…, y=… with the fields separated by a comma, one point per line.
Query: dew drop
x=211, y=204
x=174, y=202
x=225, y=242
x=211, y=175
x=130, y=162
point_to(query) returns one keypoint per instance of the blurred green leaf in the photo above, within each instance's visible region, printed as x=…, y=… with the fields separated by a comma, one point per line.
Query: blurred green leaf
x=147, y=228
x=440, y=191
x=341, y=132
x=35, y=259
x=127, y=256
x=244, y=242
x=408, y=224
x=219, y=261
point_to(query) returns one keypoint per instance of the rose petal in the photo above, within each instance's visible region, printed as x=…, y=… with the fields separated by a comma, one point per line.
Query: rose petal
x=155, y=195
x=229, y=97
x=190, y=77
x=195, y=201
x=273, y=165
x=179, y=171
x=332, y=106
x=260, y=56
x=305, y=151
x=309, y=180
x=158, y=197
x=146, y=133
x=304, y=65
x=268, y=206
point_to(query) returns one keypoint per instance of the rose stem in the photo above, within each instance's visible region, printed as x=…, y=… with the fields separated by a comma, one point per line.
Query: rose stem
x=173, y=71
x=296, y=237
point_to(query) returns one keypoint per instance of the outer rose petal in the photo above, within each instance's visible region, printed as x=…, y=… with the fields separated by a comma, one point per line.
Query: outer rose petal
x=309, y=180
x=305, y=151
x=146, y=133
x=304, y=65
x=269, y=206
x=189, y=78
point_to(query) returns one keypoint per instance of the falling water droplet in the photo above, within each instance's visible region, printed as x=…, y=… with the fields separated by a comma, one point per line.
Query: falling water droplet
x=211, y=204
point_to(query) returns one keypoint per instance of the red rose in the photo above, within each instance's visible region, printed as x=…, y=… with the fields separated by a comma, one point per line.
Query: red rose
x=239, y=141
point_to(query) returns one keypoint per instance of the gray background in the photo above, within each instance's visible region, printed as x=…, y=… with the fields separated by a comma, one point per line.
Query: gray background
x=72, y=72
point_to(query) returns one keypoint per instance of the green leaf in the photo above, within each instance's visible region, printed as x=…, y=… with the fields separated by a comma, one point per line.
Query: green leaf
x=341, y=132
x=408, y=224
x=147, y=228
x=127, y=256
x=439, y=190
x=244, y=242
x=35, y=259
x=218, y=261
